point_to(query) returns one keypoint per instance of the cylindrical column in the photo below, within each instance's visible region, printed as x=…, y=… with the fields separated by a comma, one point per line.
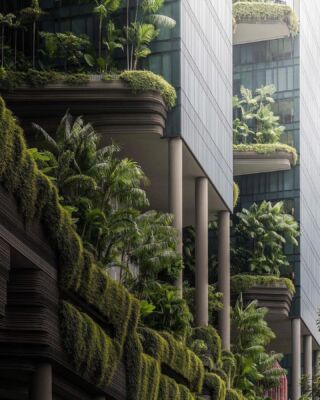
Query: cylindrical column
x=224, y=277
x=176, y=193
x=201, y=274
x=307, y=356
x=296, y=358
x=42, y=382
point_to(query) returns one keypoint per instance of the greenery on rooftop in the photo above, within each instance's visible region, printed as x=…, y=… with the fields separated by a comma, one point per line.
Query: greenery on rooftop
x=70, y=58
x=263, y=11
x=267, y=148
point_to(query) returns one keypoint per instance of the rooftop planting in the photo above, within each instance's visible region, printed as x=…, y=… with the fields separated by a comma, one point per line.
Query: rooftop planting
x=70, y=58
x=264, y=11
x=255, y=127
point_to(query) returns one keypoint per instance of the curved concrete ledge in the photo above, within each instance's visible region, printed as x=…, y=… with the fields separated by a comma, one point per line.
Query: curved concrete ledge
x=276, y=298
x=111, y=106
x=250, y=162
x=250, y=31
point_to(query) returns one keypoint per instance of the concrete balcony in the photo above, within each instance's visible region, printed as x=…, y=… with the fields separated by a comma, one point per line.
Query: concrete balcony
x=257, y=21
x=257, y=159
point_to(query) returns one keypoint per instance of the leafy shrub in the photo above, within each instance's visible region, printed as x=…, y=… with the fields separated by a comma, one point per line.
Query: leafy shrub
x=268, y=148
x=244, y=11
x=143, y=81
x=261, y=234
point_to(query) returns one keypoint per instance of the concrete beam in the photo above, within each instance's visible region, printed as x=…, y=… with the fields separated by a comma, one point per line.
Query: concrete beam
x=201, y=274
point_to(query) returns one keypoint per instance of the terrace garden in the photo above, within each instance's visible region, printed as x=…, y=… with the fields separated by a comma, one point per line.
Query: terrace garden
x=92, y=204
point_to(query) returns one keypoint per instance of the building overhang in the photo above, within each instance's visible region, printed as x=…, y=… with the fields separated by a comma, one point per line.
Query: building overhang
x=259, y=21
x=250, y=162
x=248, y=32
x=134, y=121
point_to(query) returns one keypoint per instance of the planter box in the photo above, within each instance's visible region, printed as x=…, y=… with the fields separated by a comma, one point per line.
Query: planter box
x=277, y=299
x=111, y=106
x=250, y=162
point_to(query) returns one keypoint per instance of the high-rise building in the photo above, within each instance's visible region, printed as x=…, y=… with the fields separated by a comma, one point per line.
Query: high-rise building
x=266, y=53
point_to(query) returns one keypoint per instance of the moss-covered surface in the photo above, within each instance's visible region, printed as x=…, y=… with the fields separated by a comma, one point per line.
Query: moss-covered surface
x=211, y=338
x=93, y=352
x=268, y=148
x=234, y=395
x=142, y=81
x=11, y=80
x=174, y=355
x=102, y=320
x=257, y=11
x=236, y=194
x=241, y=283
x=216, y=386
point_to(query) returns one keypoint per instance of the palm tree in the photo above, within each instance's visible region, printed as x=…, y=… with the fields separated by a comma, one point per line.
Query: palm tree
x=103, y=8
x=143, y=30
x=255, y=367
x=32, y=14
x=5, y=20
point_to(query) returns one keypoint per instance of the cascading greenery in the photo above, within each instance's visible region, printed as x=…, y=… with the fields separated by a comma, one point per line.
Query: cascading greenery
x=94, y=344
x=99, y=325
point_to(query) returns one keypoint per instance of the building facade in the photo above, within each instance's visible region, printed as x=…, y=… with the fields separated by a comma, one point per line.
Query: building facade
x=290, y=64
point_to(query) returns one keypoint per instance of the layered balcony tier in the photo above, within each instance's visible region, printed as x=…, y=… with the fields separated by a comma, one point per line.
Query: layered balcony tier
x=262, y=158
x=260, y=21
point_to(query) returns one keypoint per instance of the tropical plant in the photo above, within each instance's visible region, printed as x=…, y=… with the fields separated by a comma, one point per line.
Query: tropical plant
x=113, y=41
x=71, y=49
x=254, y=120
x=214, y=301
x=144, y=29
x=310, y=388
x=105, y=196
x=256, y=370
x=103, y=8
x=170, y=312
x=261, y=234
x=32, y=14
x=5, y=20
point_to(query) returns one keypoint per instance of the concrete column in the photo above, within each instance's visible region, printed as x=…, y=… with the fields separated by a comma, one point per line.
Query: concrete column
x=307, y=356
x=42, y=382
x=176, y=193
x=224, y=277
x=296, y=358
x=201, y=274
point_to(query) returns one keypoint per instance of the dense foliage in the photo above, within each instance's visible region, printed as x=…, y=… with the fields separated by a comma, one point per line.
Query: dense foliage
x=255, y=367
x=261, y=234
